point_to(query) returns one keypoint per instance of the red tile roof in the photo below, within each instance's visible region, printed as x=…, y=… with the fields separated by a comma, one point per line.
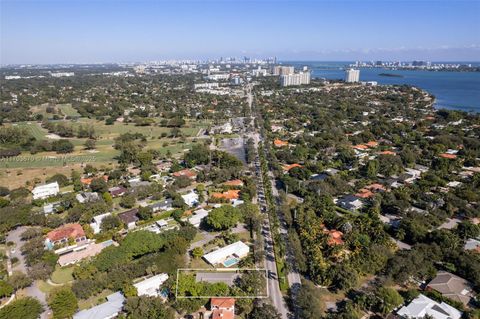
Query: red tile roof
x=66, y=231
x=387, y=153
x=222, y=314
x=335, y=237
x=449, y=156
x=185, y=172
x=360, y=147
x=230, y=194
x=280, y=143
x=364, y=193
x=88, y=180
x=222, y=303
x=372, y=144
x=289, y=167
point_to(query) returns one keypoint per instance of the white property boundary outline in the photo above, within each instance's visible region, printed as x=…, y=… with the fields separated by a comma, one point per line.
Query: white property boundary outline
x=213, y=270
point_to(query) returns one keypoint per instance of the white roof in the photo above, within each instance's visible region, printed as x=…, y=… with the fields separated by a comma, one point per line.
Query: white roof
x=98, y=222
x=423, y=306
x=106, y=310
x=190, y=198
x=162, y=223
x=197, y=216
x=43, y=191
x=150, y=286
x=472, y=244
x=238, y=248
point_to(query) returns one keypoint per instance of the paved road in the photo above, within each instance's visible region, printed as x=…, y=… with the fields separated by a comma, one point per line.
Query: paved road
x=33, y=290
x=273, y=285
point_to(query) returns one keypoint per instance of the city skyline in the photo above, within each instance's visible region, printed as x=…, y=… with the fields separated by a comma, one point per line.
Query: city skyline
x=42, y=32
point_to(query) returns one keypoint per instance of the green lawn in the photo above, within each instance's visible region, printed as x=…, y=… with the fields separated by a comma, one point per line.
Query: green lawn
x=37, y=131
x=62, y=275
x=68, y=110
x=94, y=300
x=199, y=263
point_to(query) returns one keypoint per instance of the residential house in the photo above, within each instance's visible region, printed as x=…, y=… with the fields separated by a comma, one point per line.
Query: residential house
x=228, y=255
x=63, y=234
x=107, y=310
x=422, y=306
x=51, y=208
x=335, y=237
x=82, y=252
x=45, y=191
x=198, y=216
x=87, y=197
x=279, y=143
x=163, y=205
x=287, y=168
x=191, y=198
x=230, y=195
x=163, y=167
x=97, y=222
x=129, y=218
x=452, y=287
x=88, y=180
x=117, y=191
x=137, y=182
x=472, y=245
x=186, y=172
x=222, y=308
x=151, y=286
x=350, y=202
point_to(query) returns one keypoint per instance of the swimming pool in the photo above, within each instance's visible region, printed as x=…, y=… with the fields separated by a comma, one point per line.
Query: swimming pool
x=230, y=261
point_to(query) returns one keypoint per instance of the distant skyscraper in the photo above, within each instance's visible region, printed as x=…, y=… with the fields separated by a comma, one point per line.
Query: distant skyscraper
x=352, y=75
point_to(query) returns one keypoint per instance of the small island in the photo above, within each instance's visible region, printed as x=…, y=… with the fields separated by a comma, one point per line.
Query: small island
x=391, y=75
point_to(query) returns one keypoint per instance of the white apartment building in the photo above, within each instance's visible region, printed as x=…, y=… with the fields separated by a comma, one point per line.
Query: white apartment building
x=62, y=74
x=259, y=72
x=217, y=77
x=352, y=75
x=44, y=191
x=283, y=70
x=295, y=79
x=212, y=85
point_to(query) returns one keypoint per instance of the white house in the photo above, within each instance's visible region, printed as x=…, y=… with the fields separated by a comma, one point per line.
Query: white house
x=107, y=310
x=191, y=199
x=197, y=217
x=44, y=191
x=97, y=222
x=151, y=286
x=423, y=306
x=228, y=255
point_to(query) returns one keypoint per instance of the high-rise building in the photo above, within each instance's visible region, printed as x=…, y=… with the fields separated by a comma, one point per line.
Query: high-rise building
x=295, y=79
x=352, y=75
x=283, y=70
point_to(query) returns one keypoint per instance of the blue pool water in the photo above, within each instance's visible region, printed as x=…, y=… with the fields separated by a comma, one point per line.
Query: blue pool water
x=230, y=262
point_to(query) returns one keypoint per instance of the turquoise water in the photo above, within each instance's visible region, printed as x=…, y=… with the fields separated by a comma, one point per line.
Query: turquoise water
x=453, y=90
x=230, y=262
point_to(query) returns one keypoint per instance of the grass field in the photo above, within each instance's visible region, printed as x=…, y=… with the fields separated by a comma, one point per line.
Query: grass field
x=68, y=110
x=16, y=171
x=35, y=129
x=62, y=275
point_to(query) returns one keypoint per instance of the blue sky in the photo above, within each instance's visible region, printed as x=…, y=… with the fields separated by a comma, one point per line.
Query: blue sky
x=74, y=31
